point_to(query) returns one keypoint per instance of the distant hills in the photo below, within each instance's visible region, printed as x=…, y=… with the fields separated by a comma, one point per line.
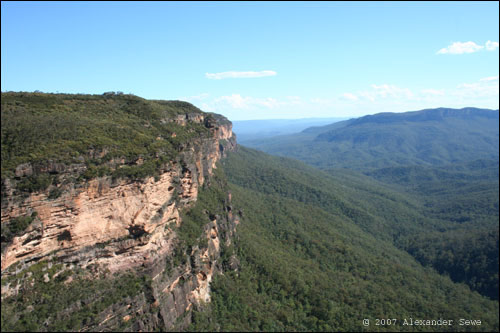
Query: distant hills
x=248, y=130
x=429, y=137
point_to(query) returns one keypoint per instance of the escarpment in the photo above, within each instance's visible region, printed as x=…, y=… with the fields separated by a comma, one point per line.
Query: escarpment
x=103, y=210
x=105, y=216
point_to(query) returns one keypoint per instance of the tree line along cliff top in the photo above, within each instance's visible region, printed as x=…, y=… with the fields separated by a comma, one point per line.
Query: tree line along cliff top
x=64, y=129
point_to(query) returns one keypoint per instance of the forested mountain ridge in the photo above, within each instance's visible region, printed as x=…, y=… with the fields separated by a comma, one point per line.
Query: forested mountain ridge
x=427, y=115
x=430, y=137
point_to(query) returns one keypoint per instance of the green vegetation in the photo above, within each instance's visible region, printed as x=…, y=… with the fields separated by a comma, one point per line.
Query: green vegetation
x=211, y=202
x=53, y=140
x=15, y=227
x=407, y=228
x=466, y=255
x=47, y=129
x=34, y=183
x=428, y=137
x=443, y=162
x=466, y=194
x=56, y=306
x=309, y=264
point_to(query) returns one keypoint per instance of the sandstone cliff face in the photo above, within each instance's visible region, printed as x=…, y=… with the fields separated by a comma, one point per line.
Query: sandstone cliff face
x=96, y=214
x=109, y=226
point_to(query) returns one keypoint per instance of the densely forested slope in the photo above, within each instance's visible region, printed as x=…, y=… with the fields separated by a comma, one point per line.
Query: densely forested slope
x=462, y=192
x=314, y=256
x=428, y=137
x=466, y=255
x=462, y=241
x=443, y=161
x=459, y=212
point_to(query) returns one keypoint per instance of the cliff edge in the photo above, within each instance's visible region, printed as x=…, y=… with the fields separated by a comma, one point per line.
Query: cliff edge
x=105, y=202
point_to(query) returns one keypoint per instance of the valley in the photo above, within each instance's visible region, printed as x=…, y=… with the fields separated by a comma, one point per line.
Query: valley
x=444, y=161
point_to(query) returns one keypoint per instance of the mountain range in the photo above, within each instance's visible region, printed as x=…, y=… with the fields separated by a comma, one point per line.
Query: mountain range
x=433, y=137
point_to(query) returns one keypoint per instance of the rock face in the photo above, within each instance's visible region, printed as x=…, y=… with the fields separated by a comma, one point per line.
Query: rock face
x=99, y=213
x=112, y=226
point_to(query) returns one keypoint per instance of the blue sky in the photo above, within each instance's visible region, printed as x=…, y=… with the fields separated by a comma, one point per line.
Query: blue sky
x=259, y=60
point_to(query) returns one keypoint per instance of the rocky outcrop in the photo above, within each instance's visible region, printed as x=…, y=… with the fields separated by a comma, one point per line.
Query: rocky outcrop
x=102, y=212
x=115, y=225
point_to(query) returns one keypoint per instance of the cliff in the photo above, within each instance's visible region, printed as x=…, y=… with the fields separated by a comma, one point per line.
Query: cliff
x=115, y=227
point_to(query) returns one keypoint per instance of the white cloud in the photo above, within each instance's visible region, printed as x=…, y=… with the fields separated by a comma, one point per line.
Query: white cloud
x=460, y=48
x=483, y=89
x=483, y=92
x=467, y=47
x=207, y=107
x=384, y=91
x=378, y=92
x=200, y=100
x=490, y=78
x=349, y=97
x=491, y=46
x=236, y=101
x=238, y=75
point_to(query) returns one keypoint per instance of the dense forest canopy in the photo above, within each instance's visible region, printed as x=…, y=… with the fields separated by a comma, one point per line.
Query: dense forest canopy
x=322, y=252
x=444, y=161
